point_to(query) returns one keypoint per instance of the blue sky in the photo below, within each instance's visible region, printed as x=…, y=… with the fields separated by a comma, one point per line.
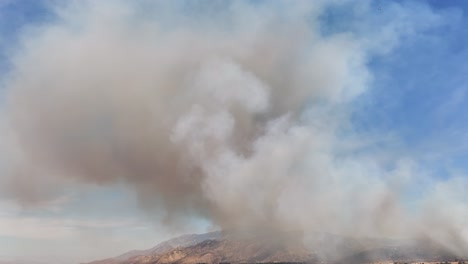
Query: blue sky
x=420, y=89
x=418, y=94
x=15, y=16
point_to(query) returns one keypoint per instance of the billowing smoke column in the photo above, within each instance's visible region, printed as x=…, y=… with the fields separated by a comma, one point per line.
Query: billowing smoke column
x=236, y=114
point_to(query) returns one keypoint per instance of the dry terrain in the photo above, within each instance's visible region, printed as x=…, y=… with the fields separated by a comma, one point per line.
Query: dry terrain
x=218, y=247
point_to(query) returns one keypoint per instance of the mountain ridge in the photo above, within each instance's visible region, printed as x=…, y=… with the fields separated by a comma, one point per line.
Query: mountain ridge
x=179, y=241
x=224, y=247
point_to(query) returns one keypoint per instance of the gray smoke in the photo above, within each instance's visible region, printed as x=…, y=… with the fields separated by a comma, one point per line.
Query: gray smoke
x=233, y=114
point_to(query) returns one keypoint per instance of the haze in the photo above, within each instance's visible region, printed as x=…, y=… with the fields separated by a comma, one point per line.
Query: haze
x=127, y=122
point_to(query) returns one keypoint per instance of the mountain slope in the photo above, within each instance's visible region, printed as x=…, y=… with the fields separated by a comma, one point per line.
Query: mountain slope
x=218, y=247
x=181, y=241
x=234, y=251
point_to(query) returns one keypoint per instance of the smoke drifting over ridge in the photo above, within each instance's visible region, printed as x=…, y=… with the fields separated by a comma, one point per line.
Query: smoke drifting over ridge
x=236, y=118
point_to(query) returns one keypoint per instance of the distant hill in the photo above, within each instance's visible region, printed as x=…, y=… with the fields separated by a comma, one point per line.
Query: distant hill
x=218, y=247
x=233, y=251
x=181, y=241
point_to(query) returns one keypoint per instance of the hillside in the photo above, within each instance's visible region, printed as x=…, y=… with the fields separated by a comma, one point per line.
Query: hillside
x=181, y=241
x=218, y=247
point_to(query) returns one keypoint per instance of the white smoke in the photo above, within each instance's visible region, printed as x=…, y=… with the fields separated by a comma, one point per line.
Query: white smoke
x=234, y=118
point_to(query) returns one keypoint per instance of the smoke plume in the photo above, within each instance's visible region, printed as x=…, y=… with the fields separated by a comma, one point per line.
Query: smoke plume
x=237, y=113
